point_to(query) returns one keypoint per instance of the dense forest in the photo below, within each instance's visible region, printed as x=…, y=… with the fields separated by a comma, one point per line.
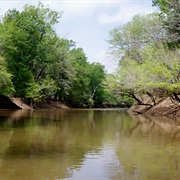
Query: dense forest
x=36, y=64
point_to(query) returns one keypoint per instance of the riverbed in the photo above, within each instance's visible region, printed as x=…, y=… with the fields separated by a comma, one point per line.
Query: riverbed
x=92, y=144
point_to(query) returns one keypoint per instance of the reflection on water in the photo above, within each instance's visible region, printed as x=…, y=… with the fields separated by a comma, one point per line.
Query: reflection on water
x=87, y=144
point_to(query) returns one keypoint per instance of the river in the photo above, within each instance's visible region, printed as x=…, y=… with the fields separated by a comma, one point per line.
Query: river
x=99, y=144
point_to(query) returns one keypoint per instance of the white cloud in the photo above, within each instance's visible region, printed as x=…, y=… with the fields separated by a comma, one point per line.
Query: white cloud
x=70, y=9
x=73, y=9
x=124, y=13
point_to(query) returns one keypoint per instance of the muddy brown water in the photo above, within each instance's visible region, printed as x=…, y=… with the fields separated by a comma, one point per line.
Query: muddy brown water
x=101, y=144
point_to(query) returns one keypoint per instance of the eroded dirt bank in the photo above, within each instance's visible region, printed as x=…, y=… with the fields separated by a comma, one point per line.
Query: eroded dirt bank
x=164, y=107
x=167, y=107
x=21, y=103
x=7, y=103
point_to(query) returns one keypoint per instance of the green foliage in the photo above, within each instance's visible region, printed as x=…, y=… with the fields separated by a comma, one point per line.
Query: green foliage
x=163, y=4
x=159, y=71
x=46, y=88
x=146, y=64
x=97, y=75
x=6, y=86
x=62, y=70
x=86, y=85
x=78, y=94
x=170, y=13
x=142, y=31
x=27, y=41
x=115, y=93
x=44, y=65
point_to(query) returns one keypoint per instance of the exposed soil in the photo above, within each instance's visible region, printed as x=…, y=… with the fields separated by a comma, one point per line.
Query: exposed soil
x=50, y=104
x=7, y=103
x=20, y=103
x=163, y=107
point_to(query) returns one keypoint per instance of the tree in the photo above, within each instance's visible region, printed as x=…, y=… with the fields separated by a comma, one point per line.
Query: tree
x=146, y=66
x=97, y=76
x=27, y=44
x=158, y=74
x=6, y=86
x=163, y=4
x=115, y=93
x=44, y=89
x=129, y=39
x=46, y=66
x=170, y=12
x=78, y=94
x=62, y=70
x=86, y=80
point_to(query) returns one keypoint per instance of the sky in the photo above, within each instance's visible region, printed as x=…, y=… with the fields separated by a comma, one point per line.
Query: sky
x=88, y=22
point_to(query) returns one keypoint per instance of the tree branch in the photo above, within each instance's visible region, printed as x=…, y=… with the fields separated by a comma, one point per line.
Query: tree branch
x=151, y=97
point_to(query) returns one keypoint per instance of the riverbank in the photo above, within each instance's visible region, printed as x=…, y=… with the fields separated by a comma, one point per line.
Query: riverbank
x=163, y=107
x=21, y=103
x=167, y=107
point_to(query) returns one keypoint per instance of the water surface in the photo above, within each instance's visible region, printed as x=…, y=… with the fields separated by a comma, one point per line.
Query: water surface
x=87, y=144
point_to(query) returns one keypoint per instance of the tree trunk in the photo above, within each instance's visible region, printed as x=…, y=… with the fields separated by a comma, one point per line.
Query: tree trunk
x=151, y=97
x=176, y=97
x=135, y=98
x=95, y=89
